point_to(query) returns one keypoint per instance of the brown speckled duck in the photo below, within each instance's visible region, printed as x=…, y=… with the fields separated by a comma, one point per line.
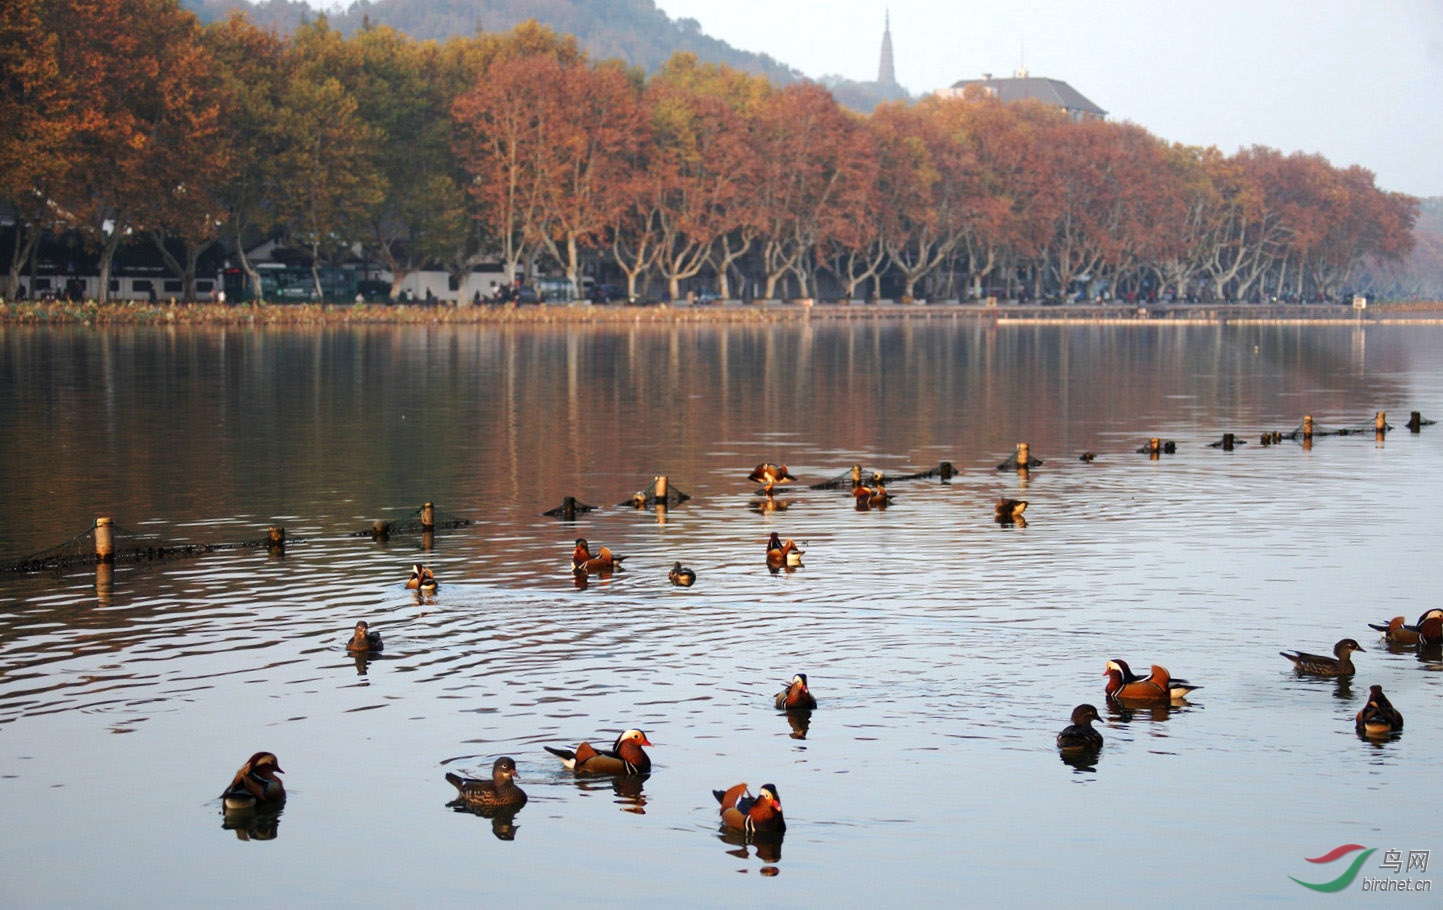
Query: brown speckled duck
x=422, y=579
x=1079, y=735
x=364, y=640
x=796, y=696
x=1158, y=688
x=488, y=797
x=760, y=814
x=1378, y=717
x=1341, y=664
x=626, y=756
x=583, y=562
x=256, y=784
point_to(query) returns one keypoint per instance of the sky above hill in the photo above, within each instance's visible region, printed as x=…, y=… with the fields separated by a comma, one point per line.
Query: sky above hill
x=1357, y=81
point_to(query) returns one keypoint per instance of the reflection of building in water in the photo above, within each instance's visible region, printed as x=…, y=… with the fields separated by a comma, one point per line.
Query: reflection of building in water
x=1024, y=87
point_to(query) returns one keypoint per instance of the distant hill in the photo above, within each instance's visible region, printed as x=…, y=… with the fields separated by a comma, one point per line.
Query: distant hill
x=631, y=30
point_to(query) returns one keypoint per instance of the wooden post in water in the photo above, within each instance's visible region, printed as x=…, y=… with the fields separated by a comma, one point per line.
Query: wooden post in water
x=105, y=583
x=1307, y=426
x=659, y=488
x=1415, y=422
x=1024, y=456
x=380, y=530
x=1380, y=422
x=276, y=537
x=428, y=517
x=1154, y=446
x=1228, y=440
x=104, y=540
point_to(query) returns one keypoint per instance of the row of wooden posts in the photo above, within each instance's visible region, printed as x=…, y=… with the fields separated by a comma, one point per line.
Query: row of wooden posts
x=659, y=491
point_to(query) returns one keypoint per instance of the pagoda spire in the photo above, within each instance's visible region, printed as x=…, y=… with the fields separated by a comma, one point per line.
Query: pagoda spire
x=886, y=72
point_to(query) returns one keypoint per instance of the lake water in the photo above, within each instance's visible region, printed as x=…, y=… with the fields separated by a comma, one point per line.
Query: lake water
x=946, y=651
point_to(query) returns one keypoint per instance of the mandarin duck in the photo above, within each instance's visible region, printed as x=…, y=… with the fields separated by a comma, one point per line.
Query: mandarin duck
x=422, y=579
x=364, y=639
x=1157, y=688
x=783, y=554
x=796, y=696
x=769, y=475
x=624, y=757
x=1378, y=717
x=256, y=784
x=1396, y=631
x=1079, y=735
x=760, y=814
x=583, y=562
x=1341, y=664
x=1428, y=628
x=499, y=794
x=681, y=576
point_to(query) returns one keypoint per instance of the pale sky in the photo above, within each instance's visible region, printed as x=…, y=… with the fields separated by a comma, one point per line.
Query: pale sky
x=1358, y=81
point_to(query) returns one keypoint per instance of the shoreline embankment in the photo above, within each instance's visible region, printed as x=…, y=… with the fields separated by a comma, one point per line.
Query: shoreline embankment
x=122, y=313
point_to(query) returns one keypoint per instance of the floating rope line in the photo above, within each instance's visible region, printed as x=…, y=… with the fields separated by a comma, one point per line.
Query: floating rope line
x=413, y=523
x=1362, y=429
x=80, y=550
x=855, y=476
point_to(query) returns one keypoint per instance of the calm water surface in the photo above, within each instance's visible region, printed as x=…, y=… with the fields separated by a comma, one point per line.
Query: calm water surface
x=946, y=651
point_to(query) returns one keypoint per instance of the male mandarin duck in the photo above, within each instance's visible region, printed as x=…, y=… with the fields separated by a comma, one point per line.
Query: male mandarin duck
x=769, y=475
x=873, y=497
x=603, y=561
x=256, y=784
x=1157, y=688
x=1079, y=735
x=364, y=639
x=796, y=696
x=499, y=794
x=625, y=757
x=1428, y=628
x=782, y=554
x=1009, y=511
x=681, y=576
x=1341, y=664
x=422, y=579
x=1378, y=717
x=1396, y=631
x=760, y=814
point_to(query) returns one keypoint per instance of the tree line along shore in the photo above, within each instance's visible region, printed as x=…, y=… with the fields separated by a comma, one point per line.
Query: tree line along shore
x=131, y=123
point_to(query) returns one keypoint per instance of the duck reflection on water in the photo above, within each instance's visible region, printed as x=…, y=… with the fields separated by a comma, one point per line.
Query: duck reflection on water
x=768, y=848
x=628, y=790
x=253, y=823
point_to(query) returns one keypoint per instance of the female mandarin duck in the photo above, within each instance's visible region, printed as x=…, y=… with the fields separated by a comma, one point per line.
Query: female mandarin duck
x=681, y=576
x=783, y=554
x=625, y=757
x=1428, y=628
x=1378, y=717
x=1341, y=664
x=603, y=561
x=499, y=794
x=769, y=475
x=1396, y=631
x=1079, y=735
x=873, y=497
x=256, y=784
x=422, y=579
x=364, y=639
x=760, y=814
x=1157, y=688
x=796, y=696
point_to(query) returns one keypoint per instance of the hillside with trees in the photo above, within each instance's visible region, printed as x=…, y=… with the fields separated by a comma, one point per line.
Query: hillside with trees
x=631, y=30
x=129, y=122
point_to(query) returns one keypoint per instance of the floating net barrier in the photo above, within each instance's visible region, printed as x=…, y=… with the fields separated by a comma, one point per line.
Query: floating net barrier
x=660, y=493
x=419, y=521
x=128, y=546
x=1314, y=429
x=855, y=476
